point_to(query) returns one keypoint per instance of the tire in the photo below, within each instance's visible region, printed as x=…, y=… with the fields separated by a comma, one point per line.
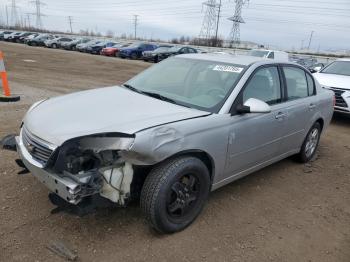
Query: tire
x=34, y=44
x=74, y=48
x=174, y=193
x=310, y=144
x=54, y=45
x=133, y=56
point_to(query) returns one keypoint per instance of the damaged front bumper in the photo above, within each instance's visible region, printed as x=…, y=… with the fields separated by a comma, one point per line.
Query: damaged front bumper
x=65, y=187
x=112, y=182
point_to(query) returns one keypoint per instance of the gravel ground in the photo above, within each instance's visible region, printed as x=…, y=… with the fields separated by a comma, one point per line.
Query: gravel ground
x=286, y=212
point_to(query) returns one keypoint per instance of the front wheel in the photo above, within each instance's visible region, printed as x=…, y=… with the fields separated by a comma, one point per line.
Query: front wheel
x=310, y=144
x=174, y=193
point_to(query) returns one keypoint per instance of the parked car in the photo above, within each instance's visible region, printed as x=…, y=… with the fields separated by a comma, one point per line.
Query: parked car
x=26, y=39
x=18, y=38
x=113, y=50
x=97, y=48
x=271, y=54
x=336, y=77
x=176, y=50
x=4, y=33
x=40, y=40
x=184, y=127
x=153, y=56
x=56, y=42
x=134, y=51
x=83, y=46
x=72, y=45
x=8, y=37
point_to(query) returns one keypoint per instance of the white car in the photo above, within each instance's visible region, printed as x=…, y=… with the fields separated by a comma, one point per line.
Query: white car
x=336, y=77
x=271, y=54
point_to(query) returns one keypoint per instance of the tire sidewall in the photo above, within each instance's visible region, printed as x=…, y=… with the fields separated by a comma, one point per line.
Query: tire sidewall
x=303, y=157
x=192, y=166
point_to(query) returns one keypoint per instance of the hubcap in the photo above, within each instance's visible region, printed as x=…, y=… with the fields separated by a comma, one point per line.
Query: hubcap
x=183, y=196
x=311, y=142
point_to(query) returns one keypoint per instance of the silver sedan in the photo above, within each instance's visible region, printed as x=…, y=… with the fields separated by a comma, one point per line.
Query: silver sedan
x=175, y=132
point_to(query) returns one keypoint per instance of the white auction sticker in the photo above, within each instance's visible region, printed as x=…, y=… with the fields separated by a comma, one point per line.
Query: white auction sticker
x=227, y=68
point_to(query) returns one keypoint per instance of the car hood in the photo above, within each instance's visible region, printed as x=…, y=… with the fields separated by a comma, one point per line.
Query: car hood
x=103, y=110
x=331, y=80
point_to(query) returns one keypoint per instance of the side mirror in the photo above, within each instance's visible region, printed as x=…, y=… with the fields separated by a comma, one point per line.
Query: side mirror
x=253, y=105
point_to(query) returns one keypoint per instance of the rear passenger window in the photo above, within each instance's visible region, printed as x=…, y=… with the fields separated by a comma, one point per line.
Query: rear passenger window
x=297, y=86
x=310, y=85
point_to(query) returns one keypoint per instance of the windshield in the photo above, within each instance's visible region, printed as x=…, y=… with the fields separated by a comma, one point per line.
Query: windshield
x=199, y=84
x=258, y=53
x=338, y=68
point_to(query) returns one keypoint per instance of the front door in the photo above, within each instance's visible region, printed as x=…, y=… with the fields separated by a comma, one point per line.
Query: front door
x=256, y=138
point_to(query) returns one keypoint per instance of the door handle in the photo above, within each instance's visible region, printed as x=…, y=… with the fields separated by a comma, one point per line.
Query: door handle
x=312, y=106
x=280, y=115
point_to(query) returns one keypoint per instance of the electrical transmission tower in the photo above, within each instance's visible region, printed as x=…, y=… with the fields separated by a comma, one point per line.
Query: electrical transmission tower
x=235, y=35
x=38, y=14
x=14, y=15
x=209, y=24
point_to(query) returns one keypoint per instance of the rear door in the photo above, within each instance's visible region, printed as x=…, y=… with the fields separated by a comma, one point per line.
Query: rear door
x=300, y=106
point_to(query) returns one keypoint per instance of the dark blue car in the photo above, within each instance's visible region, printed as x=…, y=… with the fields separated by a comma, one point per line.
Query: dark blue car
x=135, y=50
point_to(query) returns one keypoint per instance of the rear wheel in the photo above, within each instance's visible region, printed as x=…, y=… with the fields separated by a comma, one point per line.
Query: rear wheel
x=174, y=193
x=54, y=45
x=310, y=144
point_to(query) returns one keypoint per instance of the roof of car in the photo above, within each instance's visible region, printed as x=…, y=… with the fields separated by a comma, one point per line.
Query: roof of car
x=344, y=59
x=227, y=58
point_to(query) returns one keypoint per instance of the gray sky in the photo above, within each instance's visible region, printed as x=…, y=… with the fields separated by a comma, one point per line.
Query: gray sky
x=277, y=23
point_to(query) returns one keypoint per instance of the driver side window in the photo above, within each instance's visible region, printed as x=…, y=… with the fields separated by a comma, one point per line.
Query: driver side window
x=264, y=85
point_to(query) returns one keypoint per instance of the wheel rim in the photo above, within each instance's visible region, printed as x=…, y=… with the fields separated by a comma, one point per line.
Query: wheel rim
x=311, y=142
x=183, y=196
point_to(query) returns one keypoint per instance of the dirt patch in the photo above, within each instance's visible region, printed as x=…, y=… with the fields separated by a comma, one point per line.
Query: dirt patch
x=286, y=212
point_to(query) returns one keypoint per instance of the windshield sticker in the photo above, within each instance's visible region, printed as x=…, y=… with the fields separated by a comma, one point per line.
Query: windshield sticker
x=226, y=68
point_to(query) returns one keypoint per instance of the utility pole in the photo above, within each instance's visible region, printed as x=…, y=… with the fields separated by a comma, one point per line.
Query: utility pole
x=217, y=24
x=135, y=25
x=38, y=14
x=302, y=44
x=235, y=35
x=312, y=33
x=7, y=17
x=70, y=18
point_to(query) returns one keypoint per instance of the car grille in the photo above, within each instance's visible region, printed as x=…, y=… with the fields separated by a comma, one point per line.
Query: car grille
x=339, y=100
x=37, y=148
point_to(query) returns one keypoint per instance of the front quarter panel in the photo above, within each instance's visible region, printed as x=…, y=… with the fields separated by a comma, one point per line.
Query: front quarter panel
x=203, y=134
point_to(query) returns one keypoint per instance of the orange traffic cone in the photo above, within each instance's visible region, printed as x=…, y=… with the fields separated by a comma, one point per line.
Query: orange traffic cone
x=6, y=97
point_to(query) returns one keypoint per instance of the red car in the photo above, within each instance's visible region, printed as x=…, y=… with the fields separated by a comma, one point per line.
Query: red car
x=113, y=50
